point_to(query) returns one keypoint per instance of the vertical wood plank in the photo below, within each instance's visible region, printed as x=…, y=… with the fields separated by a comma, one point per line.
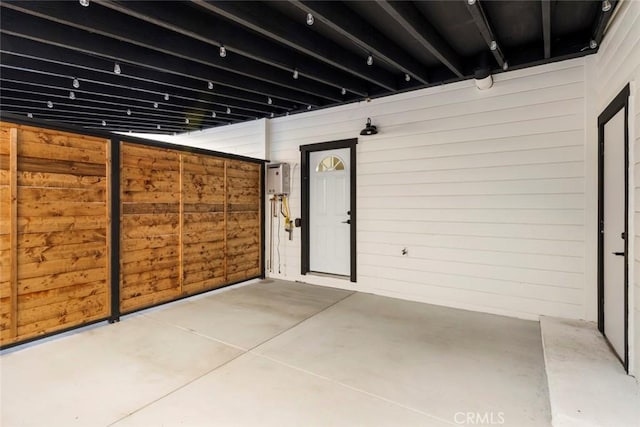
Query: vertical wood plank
x=261, y=221
x=109, y=244
x=13, y=228
x=120, y=229
x=225, y=212
x=181, y=228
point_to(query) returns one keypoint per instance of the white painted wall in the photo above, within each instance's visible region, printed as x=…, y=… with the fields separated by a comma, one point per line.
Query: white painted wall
x=245, y=139
x=494, y=193
x=616, y=64
x=485, y=189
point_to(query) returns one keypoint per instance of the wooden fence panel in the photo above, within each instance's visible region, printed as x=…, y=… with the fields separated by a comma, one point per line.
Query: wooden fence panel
x=188, y=223
x=243, y=236
x=150, y=213
x=54, y=248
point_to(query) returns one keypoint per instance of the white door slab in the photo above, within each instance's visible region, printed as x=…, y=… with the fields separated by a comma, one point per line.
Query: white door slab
x=614, y=227
x=329, y=204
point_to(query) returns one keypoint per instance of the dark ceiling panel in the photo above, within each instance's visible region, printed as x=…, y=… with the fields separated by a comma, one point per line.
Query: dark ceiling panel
x=278, y=61
x=261, y=18
x=374, y=14
x=217, y=32
x=451, y=20
x=515, y=23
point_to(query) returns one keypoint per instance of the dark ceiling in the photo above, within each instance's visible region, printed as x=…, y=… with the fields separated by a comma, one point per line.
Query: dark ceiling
x=58, y=59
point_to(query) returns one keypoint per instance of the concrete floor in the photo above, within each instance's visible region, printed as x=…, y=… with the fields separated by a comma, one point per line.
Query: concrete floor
x=283, y=354
x=587, y=382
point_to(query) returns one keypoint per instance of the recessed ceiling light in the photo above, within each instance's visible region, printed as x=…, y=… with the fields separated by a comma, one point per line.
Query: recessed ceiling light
x=166, y=96
x=72, y=95
x=593, y=44
x=104, y=123
x=116, y=68
x=223, y=51
x=228, y=110
x=76, y=83
x=308, y=107
x=471, y=2
x=606, y=6
x=505, y=66
x=310, y=19
x=30, y=115
x=128, y=112
x=273, y=115
x=269, y=100
x=407, y=77
x=49, y=104
x=493, y=45
x=210, y=85
x=369, y=60
x=155, y=105
x=158, y=127
x=295, y=73
x=213, y=114
x=186, y=120
x=343, y=91
x=85, y=3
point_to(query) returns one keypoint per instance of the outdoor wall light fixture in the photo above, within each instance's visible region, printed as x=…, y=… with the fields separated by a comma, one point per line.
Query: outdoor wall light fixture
x=483, y=79
x=369, y=129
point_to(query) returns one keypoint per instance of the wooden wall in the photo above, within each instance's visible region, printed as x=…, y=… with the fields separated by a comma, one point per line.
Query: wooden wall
x=54, y=249
x=190, y=223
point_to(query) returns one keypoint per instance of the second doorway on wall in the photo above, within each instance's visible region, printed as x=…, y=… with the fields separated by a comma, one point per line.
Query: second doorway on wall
x=613, y=231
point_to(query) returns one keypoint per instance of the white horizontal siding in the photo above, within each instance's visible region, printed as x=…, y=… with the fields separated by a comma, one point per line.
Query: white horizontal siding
x=244, y=139
x=617, y=64
x=486, y=190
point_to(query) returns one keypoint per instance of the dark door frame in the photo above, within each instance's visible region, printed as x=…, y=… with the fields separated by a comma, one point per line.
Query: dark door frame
x=620, y=102
x=305, y=150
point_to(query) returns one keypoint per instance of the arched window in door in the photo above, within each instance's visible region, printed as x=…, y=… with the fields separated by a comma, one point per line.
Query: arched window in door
x=329, y=164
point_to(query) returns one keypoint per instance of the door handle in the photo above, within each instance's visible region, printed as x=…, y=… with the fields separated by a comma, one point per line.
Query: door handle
x=618, y=253
x=347, y=221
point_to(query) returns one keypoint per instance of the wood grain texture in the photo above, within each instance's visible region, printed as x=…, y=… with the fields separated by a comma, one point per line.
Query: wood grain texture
x=58, y=225
x=13, y=227
x=175, y=216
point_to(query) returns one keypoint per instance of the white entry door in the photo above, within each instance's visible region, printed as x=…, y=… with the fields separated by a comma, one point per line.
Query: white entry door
x=614, y=227
x=329, y=216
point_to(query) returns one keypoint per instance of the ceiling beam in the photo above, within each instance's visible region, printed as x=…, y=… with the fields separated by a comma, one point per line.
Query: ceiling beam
x=349, y=24
x=97, y=125
x=264, y=20
x=11, y=90
x=22, y=77
x=75, y=64
x=88, y=121
x=12, y=70
x=112, y=24
x=47, y=32
x=237, y=41
x=546, y=27
x=412, y=21
x=86, y=108
x=480, y=18
x=601, y=24
x=48, y=85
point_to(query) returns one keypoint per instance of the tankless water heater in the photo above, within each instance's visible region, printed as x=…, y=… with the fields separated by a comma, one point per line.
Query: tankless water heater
x=278, y=179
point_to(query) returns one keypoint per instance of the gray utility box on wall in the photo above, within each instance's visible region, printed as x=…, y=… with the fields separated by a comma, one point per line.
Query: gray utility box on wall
x=278, y=179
